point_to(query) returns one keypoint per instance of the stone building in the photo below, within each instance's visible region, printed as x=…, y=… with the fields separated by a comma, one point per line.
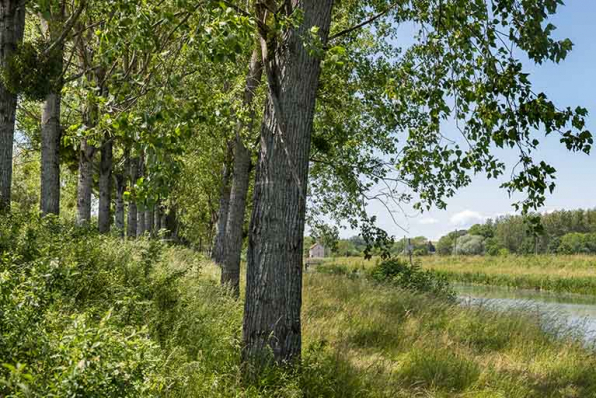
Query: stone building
x=316, y=251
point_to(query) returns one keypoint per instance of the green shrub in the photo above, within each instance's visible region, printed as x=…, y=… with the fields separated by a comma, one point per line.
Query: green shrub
x=577, y=243
x=492, y=247
x=57, y=283
x=469, y=245
x=411, y=277
x=333, y=269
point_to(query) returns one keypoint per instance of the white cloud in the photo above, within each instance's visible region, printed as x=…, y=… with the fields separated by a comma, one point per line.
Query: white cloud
x=549, y=210
x=428, y=221
x=466, y=217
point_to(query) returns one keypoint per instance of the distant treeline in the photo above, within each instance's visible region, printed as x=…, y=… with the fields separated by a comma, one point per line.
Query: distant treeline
x=563, y=231
x=356, y=245
x=559, y=232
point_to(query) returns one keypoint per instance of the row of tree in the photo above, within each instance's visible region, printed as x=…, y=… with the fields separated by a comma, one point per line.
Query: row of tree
x=561, y=231
x=356, y=246
x=168, y=106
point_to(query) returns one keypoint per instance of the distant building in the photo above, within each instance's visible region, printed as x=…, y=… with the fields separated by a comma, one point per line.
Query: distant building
x=431, y=248
x=316, y=251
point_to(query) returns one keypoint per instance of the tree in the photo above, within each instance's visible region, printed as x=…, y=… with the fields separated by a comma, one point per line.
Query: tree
x=469, y=245
x=56, y=27
x=12, y=25
x=485, y=230
x=446, y=244
x=240, y=181
x=460, y=67
x=272, y=315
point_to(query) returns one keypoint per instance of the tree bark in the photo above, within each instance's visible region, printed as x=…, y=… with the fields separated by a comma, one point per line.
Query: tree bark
x=12, y=25
x=51, y=133
x=85, y=182
x=222, y=218
x=105, y=186
x=120, y=188
x=230, y=274
x=158, y=215
x=149, y=219
x=140, y=219
x=51, y=130
x=140, y=206
x=274, y=274
x=131, y=228
x=164, y=215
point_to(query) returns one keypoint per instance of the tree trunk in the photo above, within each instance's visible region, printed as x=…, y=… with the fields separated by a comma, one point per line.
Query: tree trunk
x=85, y=182
x=158, y=215
x=164, y=217
x=140, y=205
x=274, y=274
x=120, y=188
x=222, y=218
x=171, y=223
x=51, y=133
x=149, y=219
x=12, y=25
x=140, y=219
x=105, y=186
x=131, y=229
x=230, y=274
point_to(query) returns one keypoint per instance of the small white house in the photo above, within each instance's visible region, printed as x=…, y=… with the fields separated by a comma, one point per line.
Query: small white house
x=316, y=251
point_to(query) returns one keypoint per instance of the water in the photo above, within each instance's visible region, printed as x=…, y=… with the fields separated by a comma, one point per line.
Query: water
x=576, y=313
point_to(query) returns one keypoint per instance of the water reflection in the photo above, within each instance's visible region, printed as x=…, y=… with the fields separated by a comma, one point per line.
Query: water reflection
x=577, y=313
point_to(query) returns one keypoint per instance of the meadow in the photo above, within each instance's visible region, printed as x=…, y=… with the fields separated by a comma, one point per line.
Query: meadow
x=558, y=273
x=89, y=315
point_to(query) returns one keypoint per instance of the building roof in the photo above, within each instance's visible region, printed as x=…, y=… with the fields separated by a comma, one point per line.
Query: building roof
x=316, y=244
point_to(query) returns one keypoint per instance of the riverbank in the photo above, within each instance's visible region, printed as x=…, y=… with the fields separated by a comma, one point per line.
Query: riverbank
x=560, y=273
x=392, y=343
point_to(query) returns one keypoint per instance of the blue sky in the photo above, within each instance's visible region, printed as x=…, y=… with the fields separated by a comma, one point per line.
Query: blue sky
x=570, y=83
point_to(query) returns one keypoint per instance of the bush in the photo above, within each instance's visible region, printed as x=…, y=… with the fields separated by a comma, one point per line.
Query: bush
x=492, y=247
x=411, y=277
x=74, y=307
x=446, y=244
x=577, y=243
x=469, y=245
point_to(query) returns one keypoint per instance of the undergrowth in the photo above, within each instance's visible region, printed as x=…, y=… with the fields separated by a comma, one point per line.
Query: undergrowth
x=397, y=273
x=84, y=315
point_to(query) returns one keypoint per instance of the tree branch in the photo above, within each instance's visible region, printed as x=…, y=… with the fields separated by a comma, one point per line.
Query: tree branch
x=363, y=23
x=67, y=28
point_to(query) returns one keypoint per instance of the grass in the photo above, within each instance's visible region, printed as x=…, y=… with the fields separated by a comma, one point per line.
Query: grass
x=366, y=340
x=399, y=344
x=560, y=273
x=86, y=315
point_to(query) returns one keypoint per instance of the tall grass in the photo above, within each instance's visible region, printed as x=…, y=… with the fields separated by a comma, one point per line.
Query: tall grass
x=85, y=315
x=559, y=273
x=400, y=344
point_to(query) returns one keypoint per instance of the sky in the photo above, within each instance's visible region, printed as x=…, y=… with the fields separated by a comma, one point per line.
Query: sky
x=570, y=83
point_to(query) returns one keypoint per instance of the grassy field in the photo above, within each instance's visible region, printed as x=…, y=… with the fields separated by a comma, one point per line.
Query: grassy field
x=561, y=273
x=390, y=343
x=365, y=340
